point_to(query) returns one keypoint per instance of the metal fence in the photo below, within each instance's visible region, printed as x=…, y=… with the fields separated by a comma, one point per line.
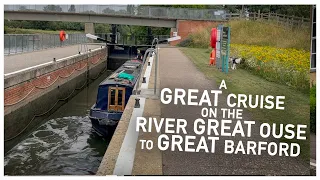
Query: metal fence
x=279, y=19
x=127, y=10
x=18, y=43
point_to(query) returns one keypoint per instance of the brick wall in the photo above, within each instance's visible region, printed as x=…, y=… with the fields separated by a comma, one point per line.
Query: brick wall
x=32, y=87
x=186, y=27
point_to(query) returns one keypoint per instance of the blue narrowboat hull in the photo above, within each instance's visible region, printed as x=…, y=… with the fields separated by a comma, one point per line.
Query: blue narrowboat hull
x=121, y=83
x=103, y=130
x=104, y=123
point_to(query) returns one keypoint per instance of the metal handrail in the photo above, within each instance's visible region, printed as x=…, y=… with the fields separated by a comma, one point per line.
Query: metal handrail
x=152, y=50
x=19, y=43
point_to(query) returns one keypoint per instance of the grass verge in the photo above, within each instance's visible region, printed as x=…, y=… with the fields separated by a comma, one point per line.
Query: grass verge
x=297, y=104
x=256, y=33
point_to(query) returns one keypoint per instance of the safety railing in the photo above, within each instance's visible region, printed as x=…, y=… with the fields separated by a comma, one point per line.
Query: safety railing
x=132, y=39
x=279, y=19
x=139, y=40
x=126, y=10
x=18, y=43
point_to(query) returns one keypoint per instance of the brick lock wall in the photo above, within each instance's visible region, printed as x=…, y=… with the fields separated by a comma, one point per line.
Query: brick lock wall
x=186, y=27
x=17, y=92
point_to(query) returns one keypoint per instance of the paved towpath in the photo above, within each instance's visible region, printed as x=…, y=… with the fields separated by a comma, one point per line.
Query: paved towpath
x=20, y=61
x=177, y=71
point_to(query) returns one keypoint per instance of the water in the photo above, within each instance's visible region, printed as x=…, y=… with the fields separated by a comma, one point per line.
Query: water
x=64, y=145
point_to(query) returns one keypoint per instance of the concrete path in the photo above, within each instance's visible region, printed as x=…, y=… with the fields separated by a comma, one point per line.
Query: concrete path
x=24, y=60
x=177, y=71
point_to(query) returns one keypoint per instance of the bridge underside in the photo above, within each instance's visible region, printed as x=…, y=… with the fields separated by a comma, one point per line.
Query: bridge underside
x=89, y=18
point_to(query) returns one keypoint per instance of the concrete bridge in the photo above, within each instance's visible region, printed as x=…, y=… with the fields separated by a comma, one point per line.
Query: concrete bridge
x=181, y=20
x=112, y=14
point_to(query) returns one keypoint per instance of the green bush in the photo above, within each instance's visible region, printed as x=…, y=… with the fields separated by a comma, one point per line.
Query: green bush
x=185, y=43
x=313, y=109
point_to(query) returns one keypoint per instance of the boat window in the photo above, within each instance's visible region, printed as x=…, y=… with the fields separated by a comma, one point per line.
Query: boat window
x=112, y=97
x=116, y=99
x=120, y=92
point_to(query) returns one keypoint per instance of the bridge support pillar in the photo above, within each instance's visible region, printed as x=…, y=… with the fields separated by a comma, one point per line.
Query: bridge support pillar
x=89, y=28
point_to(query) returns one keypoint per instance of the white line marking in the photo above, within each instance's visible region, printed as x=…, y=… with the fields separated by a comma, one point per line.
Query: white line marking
x=47, y=63
x=147, y=73
x=62, y=59
x=313, y=162
x=28, y=68
x=126, y=155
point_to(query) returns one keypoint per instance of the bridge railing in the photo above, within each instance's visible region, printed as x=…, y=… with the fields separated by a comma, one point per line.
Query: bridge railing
x=127, y=10
x=18, y=43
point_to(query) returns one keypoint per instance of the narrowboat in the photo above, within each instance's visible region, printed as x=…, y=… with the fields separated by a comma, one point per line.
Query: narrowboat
x=113, y=95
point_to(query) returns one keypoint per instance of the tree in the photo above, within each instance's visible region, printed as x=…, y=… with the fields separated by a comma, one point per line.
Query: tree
x=23, y=8
x=40, y=24
x=102, y=28
x=122, y=11
x=52, y=8
x=72, y=9
x=108, y=11
x=130, y=9
x=5, y=29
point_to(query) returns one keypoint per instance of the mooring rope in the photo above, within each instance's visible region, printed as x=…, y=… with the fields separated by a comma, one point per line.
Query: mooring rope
x=80, y=69
x=99, y=73
x=59, y=76
x=68, y=75
x=63, y=99
x=10, y=104
x=45, y=87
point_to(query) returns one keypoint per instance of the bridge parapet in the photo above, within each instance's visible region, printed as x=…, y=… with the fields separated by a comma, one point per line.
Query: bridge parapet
x=126, y=10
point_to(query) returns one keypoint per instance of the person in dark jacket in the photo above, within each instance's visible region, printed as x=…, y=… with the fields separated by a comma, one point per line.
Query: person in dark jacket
x=139, y=55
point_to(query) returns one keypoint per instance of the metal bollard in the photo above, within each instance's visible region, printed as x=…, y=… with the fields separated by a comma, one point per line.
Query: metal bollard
x=143, y=79
x=148, y=63
x=137, y=103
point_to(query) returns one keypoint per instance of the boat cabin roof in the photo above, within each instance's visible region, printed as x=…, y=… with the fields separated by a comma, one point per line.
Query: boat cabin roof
x=130, y=68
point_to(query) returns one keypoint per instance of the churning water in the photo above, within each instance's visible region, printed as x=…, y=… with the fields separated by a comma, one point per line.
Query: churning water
x=64, y=145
